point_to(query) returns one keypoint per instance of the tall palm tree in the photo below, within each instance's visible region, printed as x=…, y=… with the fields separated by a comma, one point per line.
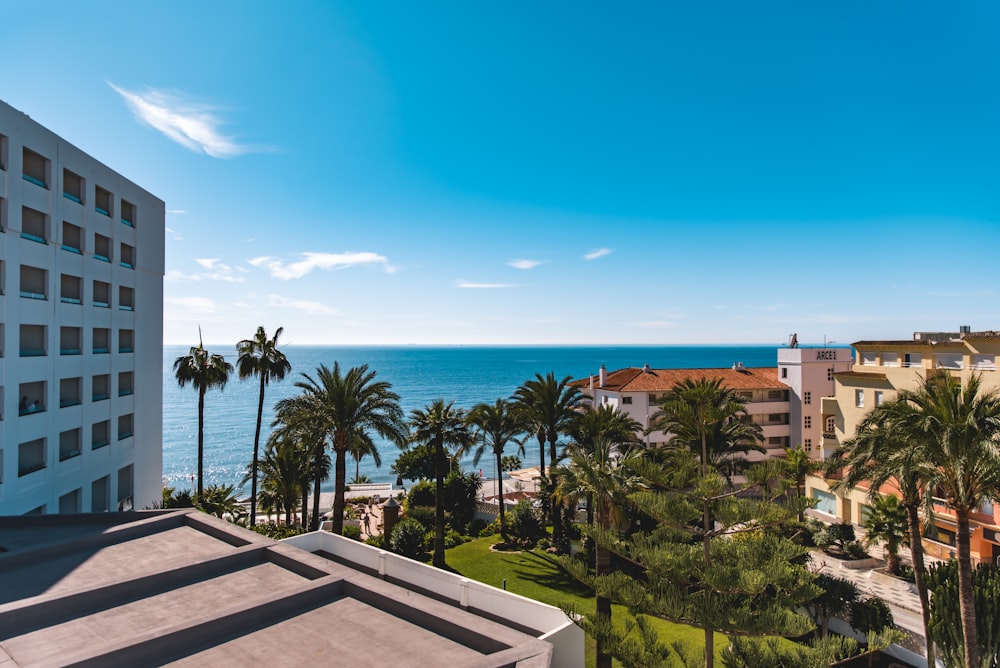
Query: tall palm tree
x=706, y=417
x=340, y=406
x=604, y=422
x=204, y=371
x=549, y=406
x=441, y=425
x=362, y=446
x=260, y=357
x=960, y=427
x=604, y=475
x=799, y=465
x=497, y=425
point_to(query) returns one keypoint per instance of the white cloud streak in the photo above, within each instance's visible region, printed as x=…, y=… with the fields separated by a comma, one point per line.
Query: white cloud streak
x=194, y=305
x=330, y=261
x=193, y=125
x=310, y=307
x=215, y=271
x=600, y=252
x=524, y=264
x=482, y=286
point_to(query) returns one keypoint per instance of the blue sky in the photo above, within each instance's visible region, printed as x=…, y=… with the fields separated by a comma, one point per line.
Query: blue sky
x=558, y=172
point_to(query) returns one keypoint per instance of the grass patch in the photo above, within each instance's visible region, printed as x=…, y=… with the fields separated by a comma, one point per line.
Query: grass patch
x=535, y=575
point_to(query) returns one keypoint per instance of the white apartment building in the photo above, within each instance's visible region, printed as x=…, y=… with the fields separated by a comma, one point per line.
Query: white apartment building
x=809, y=372
x=81, y=329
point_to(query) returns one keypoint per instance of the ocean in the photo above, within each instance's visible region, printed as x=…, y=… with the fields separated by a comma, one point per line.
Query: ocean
x=466, y=375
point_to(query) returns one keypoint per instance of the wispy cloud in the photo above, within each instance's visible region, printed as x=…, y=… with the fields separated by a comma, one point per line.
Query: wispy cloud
x=194, y=305
x=311, y=307
x=460, y=283
x=600, y=252
x=331, y=261
x=177, y=237
x=216, y=270
x=193, y=125
x=524, y=264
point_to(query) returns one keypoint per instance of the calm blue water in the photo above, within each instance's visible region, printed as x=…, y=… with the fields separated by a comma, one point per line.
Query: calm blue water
x=467, y=375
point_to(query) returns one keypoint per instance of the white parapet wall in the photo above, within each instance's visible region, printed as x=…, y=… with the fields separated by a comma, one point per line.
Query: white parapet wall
x=550, y=623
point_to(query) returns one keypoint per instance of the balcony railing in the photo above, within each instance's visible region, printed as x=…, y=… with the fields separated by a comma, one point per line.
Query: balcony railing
x=102, y=211
x=37, y=182
x=63, y=456
x=32, y=352
x=33, y=295
x=33, y=237
x=125, y=393
x=72, y=249
x=101, y=397
x=101, y=304
x=30, y=468
x=31, y=410
x=70, y=300
x=125, y=349
x=127, y=265
x=66, y=403
x=125, y=434
x=128, y=222
x=101, y=351
x=99, y=444
x=126, y=307
x=102, y=258
x=73, y=197
x=70, y=351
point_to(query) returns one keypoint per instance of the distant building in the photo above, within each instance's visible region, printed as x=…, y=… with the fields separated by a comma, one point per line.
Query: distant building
x=810, y=373
x=882, y=369
x=81, y=279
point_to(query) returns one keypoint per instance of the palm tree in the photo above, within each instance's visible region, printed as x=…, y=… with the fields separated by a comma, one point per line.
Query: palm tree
x=886, y=524
x=205, y=372
x=604, y=475
x=441, y=425
x=960, y=429
x=282, y=470
x=221, y=500
x=799, y=464
x=549, y=406
x=361, y=446
x=260, y=357
x=340, y=407
x=707, y=417
x=496, y=425
x=604, y=422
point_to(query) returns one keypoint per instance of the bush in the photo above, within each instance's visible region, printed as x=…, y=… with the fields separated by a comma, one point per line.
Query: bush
x=351, y=531
x=871, y=614
x=408, y=538
x=376, y=541
x=840, y=534
x=278, y=531
x=477, y=526
x=524, y=524
x=453, y=539
x=855, y=550
x=491, y=529
x=422, y=514
x=420, y=494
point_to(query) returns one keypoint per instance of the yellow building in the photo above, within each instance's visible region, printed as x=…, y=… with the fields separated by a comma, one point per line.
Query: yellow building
x=881, y=369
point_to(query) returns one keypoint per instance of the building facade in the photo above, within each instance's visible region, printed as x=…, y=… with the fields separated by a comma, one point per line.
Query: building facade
x=81, y=333
x=809, y=374
x=881, y=370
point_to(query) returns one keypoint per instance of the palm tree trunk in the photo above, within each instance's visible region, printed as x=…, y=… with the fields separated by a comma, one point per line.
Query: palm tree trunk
x=339, y=483
x=256, y=454
x=555, y=515
x=305, y=503
x=503, y=518
x=201, y=441
x=966, y=602
x=602, y=566
x=439, y=504
x=316, y=489
x=919, y=575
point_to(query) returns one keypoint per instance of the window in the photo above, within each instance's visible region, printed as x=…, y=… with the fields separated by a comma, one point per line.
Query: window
x=125, y=426
x=102, y=294
x=784, y=372
x=33, y=282
x=777, y=418
x=3, y=277
x=3, y=214
x=103, y=201
x=869, y=359
x=72, y=238
x=72, y=186
x=70, y=393
x=948, y=361
x=126, y=340
x=127, y=256
x=34, y=225
x=940, y=535
x=653, y=400
x=807, y=398
x=126, y=382
x=890, y=359
x=101, y=387
x=40, y=510
x=777, y=442
x=825, y=502
x=100, y=495
x=807, y=444
x=626, y=400
x=33, y=341
x=102, y=338
x=984, y=362
x=777, y=395
x=30, y=457
x=1, y=466
x=69, y=444
x=102, y=248
x=35, y=168
x=100, y=434
x=69, y=503
x=878, y=397
x=3, y=160
x=831, y=424
x=33, y=397
x=128, y=213
x=125, y=488
x=807, y=422
x=126, y=298
x=70, y=340
x=859, y=398
x=829, y=374
x=912, y=360
x=70, y=289
x=744, y=396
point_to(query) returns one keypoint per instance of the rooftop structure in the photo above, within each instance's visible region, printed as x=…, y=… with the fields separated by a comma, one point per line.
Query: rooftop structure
x=81, y=285
x=185, y=588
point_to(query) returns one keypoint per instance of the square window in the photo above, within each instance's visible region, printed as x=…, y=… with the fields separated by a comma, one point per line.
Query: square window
x=72, y=186
x=35, y=168
x=34, y=283
x=128, y=213
x=104, y=202
x=859, y=398
x=30, y=457
x=34, y=225
x=100, y=434
x=101, y=387
x=102, y=248
x=626, y=400
x=69, y=444
x=72, y=238
x=102, y=341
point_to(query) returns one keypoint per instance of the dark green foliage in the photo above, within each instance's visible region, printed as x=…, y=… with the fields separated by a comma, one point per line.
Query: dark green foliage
x=523, y=523
x=510, y=463
x=376, y=541
x=175, y=499
x=946, y=622
x=422, y=514
x=840, y=534
x=855, y=550
x=836, y=598
x=871, y=614
x=460, y=493
x=220, y=500
x=351, y=531
x=408, y=538
x=771, y=653
x=420, y=494
x=490, y=529
x=476, y=528
x=277, y=531
x=417, y=463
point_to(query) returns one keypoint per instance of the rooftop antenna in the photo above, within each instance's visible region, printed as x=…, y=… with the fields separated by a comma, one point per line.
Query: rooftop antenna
x=794, y=341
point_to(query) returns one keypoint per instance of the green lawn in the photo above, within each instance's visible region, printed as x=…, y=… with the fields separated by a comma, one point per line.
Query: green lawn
x=534, y=575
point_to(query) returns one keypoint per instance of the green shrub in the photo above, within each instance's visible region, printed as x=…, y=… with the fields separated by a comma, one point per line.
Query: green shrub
x=351, y=531
x=871, y=614
x=855, y=550
x=422, y=514
x=523, y=523
x=476, y=528
x=840, y=534
x=278, y=531
x=453, y=538
x=490, y=529
x=376, y=541
x=408, y=538
x=421, y=494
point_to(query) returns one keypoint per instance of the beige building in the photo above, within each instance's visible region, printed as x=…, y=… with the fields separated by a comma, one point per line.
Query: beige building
x=881, y=369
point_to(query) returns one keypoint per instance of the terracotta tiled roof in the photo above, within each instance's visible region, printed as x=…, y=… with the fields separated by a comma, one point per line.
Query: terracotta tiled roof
x=661, y=380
